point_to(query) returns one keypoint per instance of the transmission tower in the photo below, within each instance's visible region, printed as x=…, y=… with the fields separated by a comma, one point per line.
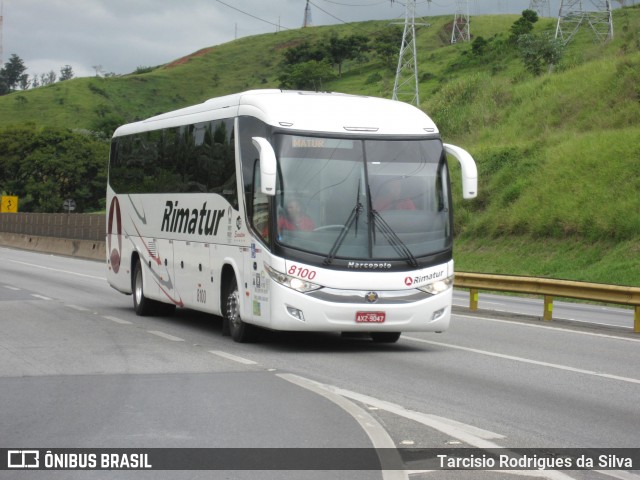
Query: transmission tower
x=572, y=17
x=460, y=32
x=405, y=87
x=541, y=7
x=307, y=16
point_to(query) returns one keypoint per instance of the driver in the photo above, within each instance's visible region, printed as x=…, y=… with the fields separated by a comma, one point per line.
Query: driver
x=294, y=218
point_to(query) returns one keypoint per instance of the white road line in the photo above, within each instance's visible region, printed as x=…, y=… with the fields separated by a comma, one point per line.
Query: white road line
x=117, y=320
x=234, y=358
x=376, y=432
x=78, y=308
x=41, y=297
x=166, y=336
x=547, y=327
x=527, y=360
x=473, y=436
x=9, y=287
x=58, y=270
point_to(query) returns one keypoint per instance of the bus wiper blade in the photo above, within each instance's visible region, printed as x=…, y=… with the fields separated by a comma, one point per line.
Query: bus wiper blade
x=396, y=242
x=353, y=216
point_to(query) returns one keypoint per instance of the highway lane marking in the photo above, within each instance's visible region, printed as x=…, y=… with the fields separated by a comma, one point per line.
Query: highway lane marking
x=9, y=287
x=469, y=434
x=559, y=329
x=379, y=437
x=232, y=357
x=117, y=320
x=58, y=270
x=78, y=308
x=41, y=297
x=528, y=360
x=166, y=336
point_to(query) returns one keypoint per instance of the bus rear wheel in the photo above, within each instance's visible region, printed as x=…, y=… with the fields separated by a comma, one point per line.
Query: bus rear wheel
x=385, y=337
x=142, y=305
x=240, y=331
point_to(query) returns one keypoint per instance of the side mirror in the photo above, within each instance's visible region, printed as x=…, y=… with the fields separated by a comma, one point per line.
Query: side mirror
x=268, y=165
x=469, y=170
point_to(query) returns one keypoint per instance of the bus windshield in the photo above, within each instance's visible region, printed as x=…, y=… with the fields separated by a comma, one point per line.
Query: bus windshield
x=362, y=199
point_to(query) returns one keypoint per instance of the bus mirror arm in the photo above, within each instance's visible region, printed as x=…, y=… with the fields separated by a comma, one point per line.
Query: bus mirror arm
x=469, y=170
x=268, y=165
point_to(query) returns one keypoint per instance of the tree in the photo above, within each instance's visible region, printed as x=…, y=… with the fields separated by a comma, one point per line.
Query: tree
x=346, y=48
x=386, y=46
x=13, y=70
x=538, y=51
x=523, y=25
x=307, y=75
x=4, y=84
x=44, y=166
x=48, y=78
x=66, y=73
x=25, y=82
x=303, y=53
x=479, y=46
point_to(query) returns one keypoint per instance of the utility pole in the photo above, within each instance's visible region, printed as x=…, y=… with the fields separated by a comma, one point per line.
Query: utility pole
x=572, y=16
x=541, y=7
x=307, y=16
x=405, y=87
x=460, y=32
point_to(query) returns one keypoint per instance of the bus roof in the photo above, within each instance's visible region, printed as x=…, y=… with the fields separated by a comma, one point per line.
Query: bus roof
x=301, y=111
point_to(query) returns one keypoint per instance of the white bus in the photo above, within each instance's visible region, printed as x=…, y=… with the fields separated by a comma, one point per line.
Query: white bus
x=287, y=210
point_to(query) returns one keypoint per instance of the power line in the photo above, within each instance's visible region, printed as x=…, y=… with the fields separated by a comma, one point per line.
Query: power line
x=251, y=15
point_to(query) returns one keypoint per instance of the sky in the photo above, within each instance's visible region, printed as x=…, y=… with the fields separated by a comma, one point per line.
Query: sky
x=118, y=36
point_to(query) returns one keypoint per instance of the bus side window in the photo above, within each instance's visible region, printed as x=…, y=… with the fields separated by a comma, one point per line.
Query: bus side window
x=259, y=206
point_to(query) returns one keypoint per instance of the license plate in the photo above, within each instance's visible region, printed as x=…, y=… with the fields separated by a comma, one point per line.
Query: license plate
x=370, y=317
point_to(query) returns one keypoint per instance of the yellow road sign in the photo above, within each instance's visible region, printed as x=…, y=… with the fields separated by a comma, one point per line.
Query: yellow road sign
x=9, y=204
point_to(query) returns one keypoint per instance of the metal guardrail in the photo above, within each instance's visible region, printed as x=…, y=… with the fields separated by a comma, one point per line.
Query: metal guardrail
x=549, y=289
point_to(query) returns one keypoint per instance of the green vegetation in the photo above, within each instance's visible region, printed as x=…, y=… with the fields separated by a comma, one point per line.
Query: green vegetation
x=46, y=165
x=557, y=143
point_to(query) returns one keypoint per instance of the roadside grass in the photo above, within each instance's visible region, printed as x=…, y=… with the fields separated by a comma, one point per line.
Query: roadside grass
x=571, y=258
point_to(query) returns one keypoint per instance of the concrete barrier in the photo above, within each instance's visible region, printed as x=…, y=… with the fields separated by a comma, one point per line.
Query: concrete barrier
x=88, y=249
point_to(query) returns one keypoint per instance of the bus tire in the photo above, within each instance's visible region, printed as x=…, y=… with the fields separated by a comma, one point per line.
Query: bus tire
x=385, y=337
x=240, y=331
x=141, y=304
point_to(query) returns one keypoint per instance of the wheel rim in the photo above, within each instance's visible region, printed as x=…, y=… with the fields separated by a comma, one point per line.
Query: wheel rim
x=138, y=286
x=233, y=312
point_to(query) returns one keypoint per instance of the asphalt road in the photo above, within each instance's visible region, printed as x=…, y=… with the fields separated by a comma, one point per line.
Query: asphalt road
x=79, y=369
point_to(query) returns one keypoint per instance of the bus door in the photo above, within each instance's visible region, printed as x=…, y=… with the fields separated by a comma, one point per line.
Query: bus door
x=257, y=302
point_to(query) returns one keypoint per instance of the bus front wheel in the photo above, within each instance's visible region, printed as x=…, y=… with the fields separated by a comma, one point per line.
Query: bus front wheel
x=240, y=331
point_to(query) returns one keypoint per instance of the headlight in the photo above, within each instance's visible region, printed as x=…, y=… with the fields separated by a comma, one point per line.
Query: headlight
x=294, y=283
x=439, y=286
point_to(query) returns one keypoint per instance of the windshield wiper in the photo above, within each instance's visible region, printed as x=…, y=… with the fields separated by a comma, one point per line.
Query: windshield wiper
x=353, y=217
x=392, y=237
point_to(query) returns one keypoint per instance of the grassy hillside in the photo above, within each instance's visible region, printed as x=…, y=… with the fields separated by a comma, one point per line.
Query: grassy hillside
x=558, y=155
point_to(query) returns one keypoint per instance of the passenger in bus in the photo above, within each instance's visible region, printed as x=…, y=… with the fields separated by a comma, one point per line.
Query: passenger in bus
x=293, y=218
x=393, y=198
